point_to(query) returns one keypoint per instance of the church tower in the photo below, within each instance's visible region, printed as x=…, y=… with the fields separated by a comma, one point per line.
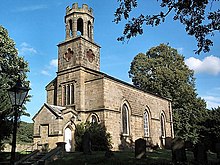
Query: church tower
x=79, y=48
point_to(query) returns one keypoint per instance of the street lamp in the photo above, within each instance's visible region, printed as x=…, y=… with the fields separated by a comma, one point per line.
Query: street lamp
x=17, y=95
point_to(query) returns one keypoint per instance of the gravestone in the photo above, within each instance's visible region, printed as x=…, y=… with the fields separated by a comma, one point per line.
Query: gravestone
x=86, y=143
x=168, y=141
x=140, y=148
x=217, y=149
x=200, y=154
x=178, y=150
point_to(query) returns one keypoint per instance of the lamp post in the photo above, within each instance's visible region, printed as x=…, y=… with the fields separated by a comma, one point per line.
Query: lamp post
x=17, y=95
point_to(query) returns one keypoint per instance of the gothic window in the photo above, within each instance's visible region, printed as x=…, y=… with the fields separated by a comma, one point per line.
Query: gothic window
x=162, y=120
x=80, y=26
x=146, y=124
x=125, y=122
x=68, y=94
x=89, y=29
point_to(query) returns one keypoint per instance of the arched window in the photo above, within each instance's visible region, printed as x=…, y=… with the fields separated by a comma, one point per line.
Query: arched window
x=146, y=124
x=125, y=122
x=89, y=31
x=70, y=28
x=94, y=119
x=80, y=26
x=162, y=121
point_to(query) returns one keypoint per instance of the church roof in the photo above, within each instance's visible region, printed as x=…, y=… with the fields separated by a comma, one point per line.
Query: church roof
x=56, y=110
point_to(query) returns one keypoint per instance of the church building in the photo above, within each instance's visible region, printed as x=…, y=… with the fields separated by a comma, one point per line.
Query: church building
x=80, y=93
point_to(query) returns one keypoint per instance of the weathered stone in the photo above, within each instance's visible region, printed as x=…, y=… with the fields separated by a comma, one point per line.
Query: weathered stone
x=140, y=148
x=178, y=150
x=80, y=92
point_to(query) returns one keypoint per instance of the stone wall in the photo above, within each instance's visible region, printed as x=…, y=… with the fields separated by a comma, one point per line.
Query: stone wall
x=117, y=93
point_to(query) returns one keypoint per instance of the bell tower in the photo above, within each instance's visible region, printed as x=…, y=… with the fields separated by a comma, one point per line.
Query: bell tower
x=78, y=48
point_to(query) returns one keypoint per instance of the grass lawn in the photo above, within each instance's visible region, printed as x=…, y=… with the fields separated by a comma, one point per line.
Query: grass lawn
x=163, y=157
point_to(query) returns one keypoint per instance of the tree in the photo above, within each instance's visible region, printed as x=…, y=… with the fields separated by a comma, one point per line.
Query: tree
x=162, y=71
x=11, y=65
x=210, y=130
x=193, y=14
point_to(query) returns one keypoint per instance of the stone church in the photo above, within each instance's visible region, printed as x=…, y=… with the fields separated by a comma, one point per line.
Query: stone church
x=80, y=93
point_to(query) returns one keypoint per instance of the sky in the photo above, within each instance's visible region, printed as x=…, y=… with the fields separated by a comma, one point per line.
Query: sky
x=37, y=27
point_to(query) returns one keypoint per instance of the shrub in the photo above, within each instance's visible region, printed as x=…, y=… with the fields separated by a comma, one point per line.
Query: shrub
x=100, y=138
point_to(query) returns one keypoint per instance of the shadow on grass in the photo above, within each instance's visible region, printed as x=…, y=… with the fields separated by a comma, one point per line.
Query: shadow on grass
x=158, y=157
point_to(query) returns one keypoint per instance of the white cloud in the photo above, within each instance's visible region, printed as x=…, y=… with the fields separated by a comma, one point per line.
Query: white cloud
x=180, y=50
x=45, y=72
x=30, y=8
x=210, y=65
x=212, y=101
x=54, y=63
x=26, y=49
x=49, y=70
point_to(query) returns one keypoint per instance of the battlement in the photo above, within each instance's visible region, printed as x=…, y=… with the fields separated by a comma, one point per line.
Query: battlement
x=76, y=8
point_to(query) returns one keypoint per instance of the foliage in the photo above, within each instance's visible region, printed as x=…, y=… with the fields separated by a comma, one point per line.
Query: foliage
x=100, y=138
x=11, y=65
x=162, y=71
x=25, y=132
x=210, y=128
x=193, y=14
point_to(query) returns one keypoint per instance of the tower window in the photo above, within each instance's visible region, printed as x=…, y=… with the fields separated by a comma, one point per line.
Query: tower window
x=80, y=26
x=71, y=28
x=68, y=94
x=89, y=30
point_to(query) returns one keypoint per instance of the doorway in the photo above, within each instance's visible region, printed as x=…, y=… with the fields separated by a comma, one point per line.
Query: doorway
x=68, y=139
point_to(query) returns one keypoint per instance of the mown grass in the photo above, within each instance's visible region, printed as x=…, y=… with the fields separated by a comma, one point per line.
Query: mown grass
x=158, y=157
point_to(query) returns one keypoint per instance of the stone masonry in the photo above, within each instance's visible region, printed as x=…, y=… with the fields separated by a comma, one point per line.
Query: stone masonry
x=81, y=93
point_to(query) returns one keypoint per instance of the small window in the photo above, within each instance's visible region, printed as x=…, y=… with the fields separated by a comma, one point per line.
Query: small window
x=125, y=124
x=94, y=119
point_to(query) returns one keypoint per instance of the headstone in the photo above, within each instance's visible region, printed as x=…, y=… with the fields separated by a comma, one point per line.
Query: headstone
x=200, y=154
x=140, y=148
x=217, y=149
x=86, y=143
x=168, y=141
x=61, y=145
x=178, y=150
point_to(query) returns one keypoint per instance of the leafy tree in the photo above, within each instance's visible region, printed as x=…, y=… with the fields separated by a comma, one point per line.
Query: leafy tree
x=193, y=14
x=162, y=71
x=11, y=65
x=210, y=128
x=100, y=138
x=25, y=132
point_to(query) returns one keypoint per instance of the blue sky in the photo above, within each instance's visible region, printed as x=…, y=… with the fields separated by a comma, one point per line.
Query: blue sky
x=38, y=26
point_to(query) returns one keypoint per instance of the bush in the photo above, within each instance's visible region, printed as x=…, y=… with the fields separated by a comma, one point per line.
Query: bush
x=100, y=138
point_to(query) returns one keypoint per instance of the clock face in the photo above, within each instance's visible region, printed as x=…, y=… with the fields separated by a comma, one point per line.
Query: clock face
x=90, y=55
x=68, y=55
